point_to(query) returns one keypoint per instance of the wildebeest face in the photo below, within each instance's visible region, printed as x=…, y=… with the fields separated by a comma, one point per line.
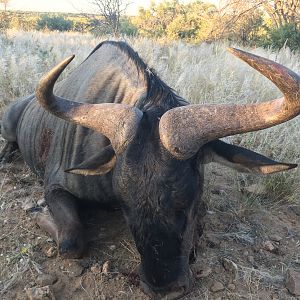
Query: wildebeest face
x=159, y=196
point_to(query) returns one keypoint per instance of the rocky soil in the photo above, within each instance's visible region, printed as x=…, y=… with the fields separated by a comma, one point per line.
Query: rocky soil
x=243, y=254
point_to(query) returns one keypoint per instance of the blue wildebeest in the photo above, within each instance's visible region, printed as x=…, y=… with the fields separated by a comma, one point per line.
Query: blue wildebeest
x=113, y=132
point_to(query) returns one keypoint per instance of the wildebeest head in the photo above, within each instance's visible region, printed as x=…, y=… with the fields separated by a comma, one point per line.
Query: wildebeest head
x=158, y=147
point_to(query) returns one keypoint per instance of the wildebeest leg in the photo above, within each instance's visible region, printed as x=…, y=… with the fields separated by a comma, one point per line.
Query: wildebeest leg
x=66, y=227
x=8, y=152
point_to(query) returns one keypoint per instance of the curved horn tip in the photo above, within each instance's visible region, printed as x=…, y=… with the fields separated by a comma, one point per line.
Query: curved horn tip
x=69, y=59
x=237, y=52
x=231, y=49
x=62, y=65
x=45, y=86
x=292, y=166
x=54, y=73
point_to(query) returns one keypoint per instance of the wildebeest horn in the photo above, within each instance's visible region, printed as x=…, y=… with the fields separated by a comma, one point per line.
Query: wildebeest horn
x=184, y=130
x=118, y=122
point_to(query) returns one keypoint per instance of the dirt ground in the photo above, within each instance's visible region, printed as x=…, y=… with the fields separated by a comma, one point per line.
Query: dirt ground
x=243, y=254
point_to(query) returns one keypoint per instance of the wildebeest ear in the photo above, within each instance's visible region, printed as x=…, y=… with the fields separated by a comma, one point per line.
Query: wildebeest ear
x=98, y=164
x=242, y=159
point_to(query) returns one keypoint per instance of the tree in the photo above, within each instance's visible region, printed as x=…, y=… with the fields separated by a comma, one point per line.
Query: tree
x=5, y=4
x=281, y=12
x=239, y=21
x=111, y=11
x=4, y=16
x=176, y=20
x=260, y=20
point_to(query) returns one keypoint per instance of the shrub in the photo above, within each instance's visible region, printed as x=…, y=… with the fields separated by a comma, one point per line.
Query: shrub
x=127, y=28
x=286, y=35
x=54, y=23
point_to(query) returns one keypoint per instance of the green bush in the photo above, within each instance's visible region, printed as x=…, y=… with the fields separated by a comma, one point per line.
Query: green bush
x=54, y=23
x=127, y=28
x=286, y=35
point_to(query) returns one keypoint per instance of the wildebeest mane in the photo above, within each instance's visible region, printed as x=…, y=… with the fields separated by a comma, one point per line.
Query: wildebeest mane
x=159, y=94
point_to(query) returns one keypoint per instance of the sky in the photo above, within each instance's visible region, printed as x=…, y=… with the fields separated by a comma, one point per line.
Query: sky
x=73, y=6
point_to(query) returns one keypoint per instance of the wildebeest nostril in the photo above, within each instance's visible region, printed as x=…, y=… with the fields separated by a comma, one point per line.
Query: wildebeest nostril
x=169, y=294
x=172, y=291
x=176, y=294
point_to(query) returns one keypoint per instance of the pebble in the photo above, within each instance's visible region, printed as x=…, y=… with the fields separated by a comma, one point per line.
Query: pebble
x=275, y=238
x=74, y=268
x=231, y=287
x=28, y=204
x=106, y=268
x=251, y=260
x=268, y=245
x=231, y=267
x=52, y=251
x=217, y=286
x=203, y=273
x=96, y=268
x=46, y=279
x=40, y=293
x=292, y=282
x=112, y=247
x=41, y=202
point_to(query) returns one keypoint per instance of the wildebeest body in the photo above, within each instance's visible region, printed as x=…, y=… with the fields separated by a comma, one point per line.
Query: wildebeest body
x=139, y=145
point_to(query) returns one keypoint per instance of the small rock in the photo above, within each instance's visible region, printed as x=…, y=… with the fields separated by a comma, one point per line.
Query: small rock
x=74, y=268
x=203, y=273
x=217, y=286
x=275, y=238
x=40, y=293
x=292, y=282
x=52, y=251
x=251, y=259
x=106, y=268
x=112, y=247
x=231, y=267
x=28, y=204
x=46, y=279
x=96, y=268
x=268, y=245
x=245, y=253
x=41, y=202
x=231, y=287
